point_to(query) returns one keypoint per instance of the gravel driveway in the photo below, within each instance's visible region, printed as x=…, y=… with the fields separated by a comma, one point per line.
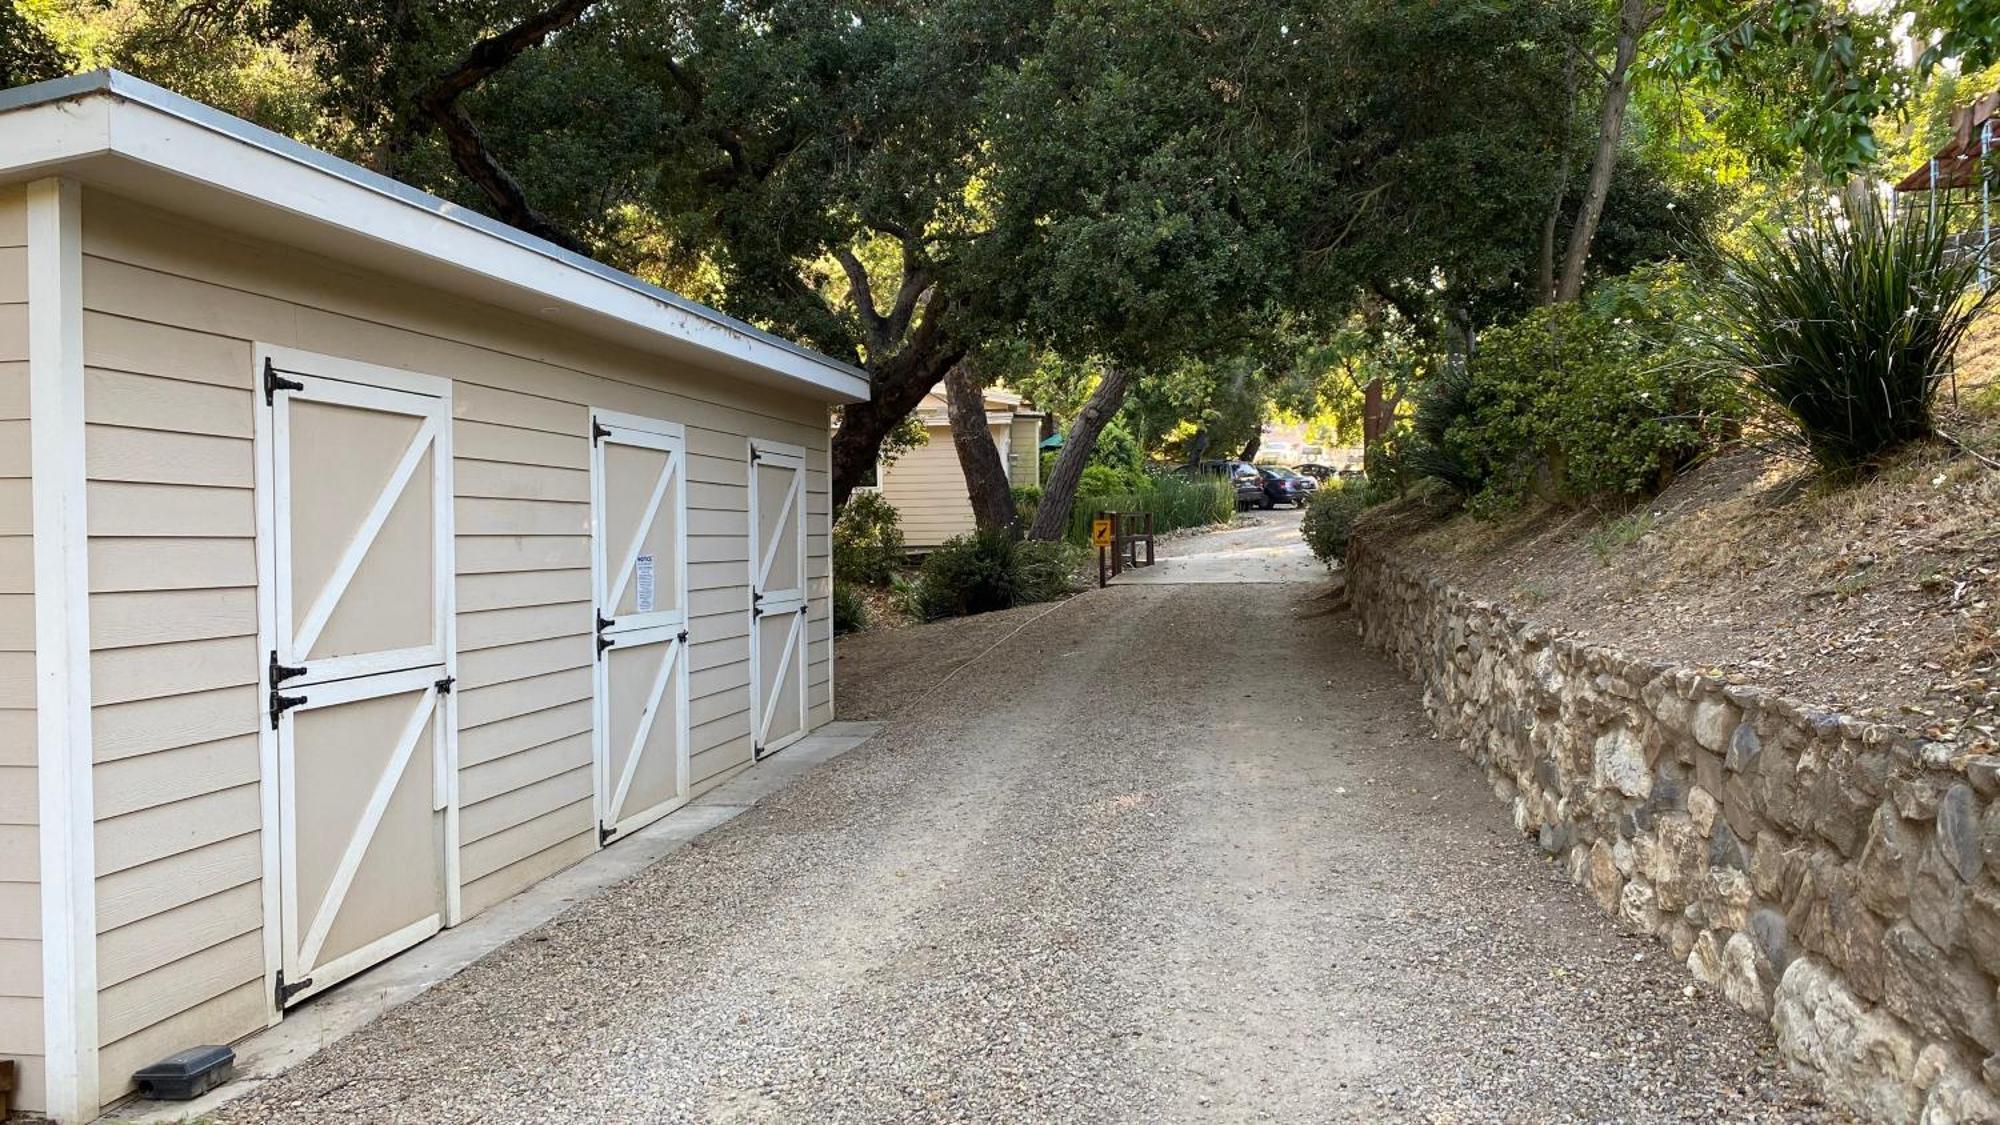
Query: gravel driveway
x=1167, y=853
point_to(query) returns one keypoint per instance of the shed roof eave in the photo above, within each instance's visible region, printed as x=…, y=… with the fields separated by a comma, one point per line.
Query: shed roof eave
x=76, y=122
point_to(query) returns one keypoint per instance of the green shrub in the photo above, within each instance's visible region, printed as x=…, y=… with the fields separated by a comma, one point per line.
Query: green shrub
x=1102, y=480
x=1175, y=502
x=850, y=609
x=1117, y=448
x=867, y=543
x=1594, y=401
x=1027, y=501
x=1846, y=329
x=1329, y=520
x=1049, y=569
x=1444, y=403
x=990, y=570
x=969, y=574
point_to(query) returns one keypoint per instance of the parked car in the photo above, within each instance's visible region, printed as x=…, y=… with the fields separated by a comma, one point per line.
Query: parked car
x=1249, y=480
x=1317, y=471
x=1311, y=486
x=1283, y=486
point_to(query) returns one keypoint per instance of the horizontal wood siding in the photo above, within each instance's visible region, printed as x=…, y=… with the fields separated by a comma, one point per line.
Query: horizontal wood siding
x=927, y=489
x=172, y=311
x=20, y=798
x=926, y=486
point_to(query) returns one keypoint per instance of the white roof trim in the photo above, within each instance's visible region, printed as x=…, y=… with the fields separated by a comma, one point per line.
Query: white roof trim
x=109, y=113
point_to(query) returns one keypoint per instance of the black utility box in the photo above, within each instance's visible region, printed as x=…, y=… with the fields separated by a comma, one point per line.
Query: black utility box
x=190, y=1074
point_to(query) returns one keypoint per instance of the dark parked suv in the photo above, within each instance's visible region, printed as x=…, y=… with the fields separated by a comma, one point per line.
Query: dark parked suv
x=1248, y=479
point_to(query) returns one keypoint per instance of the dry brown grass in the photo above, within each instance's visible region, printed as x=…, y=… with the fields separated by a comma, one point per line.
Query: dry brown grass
x=1877, y=597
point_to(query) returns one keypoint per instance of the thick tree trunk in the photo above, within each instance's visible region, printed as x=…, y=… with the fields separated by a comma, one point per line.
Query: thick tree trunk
x=985, y=473
x=1634, y=17
x=1378, y=412
x=1059, y=493
x=899, y=383
x=1197, y=446
x=1251, y=447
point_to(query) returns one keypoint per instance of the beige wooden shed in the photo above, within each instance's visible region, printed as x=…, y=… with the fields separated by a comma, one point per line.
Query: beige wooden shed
x=362, y=562
x=926, y=485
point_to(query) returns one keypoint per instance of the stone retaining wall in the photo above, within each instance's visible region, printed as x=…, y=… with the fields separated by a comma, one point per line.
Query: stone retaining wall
x=1831, y=875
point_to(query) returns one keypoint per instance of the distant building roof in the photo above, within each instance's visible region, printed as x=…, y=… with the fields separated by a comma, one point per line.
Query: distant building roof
x=1956, y=165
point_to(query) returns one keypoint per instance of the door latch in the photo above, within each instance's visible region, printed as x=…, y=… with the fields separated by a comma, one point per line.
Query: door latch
x=444, y=686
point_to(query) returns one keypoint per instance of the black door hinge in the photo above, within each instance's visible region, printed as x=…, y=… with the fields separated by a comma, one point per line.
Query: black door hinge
x=284, y=992
x=683, y=638
x=444, y=685
x=754, y=454
x=281, y=703
x=604, y=642
x=274, y=382
x=604, y=834
x=282, y=672
x=598, y=431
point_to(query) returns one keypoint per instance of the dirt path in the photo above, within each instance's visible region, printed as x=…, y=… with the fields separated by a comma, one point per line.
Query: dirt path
x=1169, y=852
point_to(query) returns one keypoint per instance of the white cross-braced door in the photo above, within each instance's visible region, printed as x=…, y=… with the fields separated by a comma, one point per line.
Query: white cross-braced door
x=361, y=664
x=777, y=595
x=639, y=577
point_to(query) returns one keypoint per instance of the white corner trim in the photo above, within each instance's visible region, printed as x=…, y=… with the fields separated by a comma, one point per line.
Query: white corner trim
x=62, y=648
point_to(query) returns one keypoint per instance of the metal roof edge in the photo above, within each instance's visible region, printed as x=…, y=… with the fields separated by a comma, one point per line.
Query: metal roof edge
x=124, y=86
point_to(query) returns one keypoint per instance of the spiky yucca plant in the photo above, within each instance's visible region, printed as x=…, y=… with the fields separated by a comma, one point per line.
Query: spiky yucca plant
x=1845, y=326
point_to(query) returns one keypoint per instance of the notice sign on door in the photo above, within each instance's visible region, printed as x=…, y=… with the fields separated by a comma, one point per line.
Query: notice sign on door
x=644, y=578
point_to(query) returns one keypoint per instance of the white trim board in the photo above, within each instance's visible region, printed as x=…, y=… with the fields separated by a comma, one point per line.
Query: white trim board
x=62, y=649
x=136, y=138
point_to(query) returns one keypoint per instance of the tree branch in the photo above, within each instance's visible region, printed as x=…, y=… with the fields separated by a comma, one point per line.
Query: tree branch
x=879, y=338
x=439, y=100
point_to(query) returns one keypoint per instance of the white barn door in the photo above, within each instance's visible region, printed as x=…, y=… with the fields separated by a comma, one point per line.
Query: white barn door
x=638, y=494
x=777, y=595
x=360, y=669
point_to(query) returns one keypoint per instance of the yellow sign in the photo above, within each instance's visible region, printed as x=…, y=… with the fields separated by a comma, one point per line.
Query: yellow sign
x=1100, y=533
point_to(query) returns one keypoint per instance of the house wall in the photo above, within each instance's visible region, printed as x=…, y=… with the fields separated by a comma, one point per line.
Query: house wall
x=927, y=488
x=1024, y=459
x=171, y=311
x=20, y=852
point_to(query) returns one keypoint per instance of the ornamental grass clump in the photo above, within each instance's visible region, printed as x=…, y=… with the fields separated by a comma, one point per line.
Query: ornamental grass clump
x=1844, y=328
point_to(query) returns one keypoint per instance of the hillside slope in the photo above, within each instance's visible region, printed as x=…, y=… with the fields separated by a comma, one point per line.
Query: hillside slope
x=1877, y=599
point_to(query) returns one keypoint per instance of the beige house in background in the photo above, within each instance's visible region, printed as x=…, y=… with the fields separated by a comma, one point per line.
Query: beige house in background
x=363, y=561
x=926, y=485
